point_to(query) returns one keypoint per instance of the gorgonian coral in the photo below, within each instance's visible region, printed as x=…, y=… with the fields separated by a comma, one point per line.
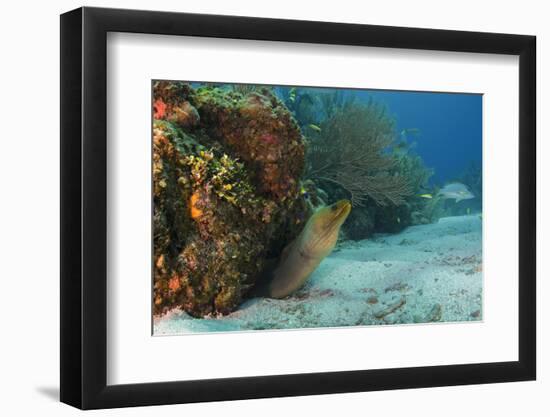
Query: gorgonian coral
x=349, y=153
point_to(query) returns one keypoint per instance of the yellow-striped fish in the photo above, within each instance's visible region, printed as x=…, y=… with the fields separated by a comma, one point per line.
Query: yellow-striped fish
x=428, y=196
x=292, y=95
x=314, y=127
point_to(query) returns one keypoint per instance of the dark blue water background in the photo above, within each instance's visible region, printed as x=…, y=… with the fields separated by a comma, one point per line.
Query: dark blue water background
x=450, y=127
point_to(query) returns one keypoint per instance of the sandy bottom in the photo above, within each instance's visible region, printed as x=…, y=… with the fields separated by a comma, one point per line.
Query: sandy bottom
x=427, y=273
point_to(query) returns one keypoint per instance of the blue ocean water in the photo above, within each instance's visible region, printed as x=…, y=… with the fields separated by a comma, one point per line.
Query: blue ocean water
x=450, y=127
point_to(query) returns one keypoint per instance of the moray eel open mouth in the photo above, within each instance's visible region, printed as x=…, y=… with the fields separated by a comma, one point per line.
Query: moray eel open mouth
x=304, y=255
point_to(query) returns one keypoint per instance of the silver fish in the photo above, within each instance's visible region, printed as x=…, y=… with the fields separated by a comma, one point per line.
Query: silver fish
x=456, y=191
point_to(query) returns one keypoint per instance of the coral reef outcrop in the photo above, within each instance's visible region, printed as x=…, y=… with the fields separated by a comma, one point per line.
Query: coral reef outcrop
x=226, y=170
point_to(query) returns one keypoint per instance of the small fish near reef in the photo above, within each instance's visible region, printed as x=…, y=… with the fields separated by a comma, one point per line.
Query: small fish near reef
x=314, y=128
x=292, y=95
x=427, y=196
x=456, y=191
x=301, y=257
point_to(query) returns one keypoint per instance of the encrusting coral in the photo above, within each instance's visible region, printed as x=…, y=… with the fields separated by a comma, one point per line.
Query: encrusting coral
x=260, y=130
x=226, y=170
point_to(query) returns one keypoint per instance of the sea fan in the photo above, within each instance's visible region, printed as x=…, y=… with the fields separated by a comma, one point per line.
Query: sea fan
x=350, y=153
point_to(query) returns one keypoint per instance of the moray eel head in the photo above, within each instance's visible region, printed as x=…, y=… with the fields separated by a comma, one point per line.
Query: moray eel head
x=304, y=255
x=323, y=227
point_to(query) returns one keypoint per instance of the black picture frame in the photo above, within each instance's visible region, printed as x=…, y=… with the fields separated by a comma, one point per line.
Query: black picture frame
x=84, y=207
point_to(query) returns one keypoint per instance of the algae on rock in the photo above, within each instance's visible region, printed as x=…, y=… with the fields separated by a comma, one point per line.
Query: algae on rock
x=226, y=169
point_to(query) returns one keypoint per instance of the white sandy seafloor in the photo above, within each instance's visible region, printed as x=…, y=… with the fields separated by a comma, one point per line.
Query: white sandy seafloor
x=428, y=273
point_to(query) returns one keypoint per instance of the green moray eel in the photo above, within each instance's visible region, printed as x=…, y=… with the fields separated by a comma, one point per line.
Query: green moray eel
x=300, y=258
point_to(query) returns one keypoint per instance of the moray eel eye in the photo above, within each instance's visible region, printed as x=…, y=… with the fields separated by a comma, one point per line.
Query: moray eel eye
x=343, y=207
x=336, y=214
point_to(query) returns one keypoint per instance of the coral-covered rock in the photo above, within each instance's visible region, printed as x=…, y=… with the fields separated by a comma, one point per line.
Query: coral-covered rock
x=261, y=131
x=226, y=194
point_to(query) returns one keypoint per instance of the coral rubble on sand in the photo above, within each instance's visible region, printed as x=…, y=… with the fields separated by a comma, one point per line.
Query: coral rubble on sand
x=226, y=170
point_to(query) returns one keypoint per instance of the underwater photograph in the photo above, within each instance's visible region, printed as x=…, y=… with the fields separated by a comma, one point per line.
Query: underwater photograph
x=293, y=207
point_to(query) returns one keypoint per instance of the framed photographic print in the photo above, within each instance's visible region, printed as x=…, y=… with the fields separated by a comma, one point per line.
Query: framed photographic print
x=257, y=208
